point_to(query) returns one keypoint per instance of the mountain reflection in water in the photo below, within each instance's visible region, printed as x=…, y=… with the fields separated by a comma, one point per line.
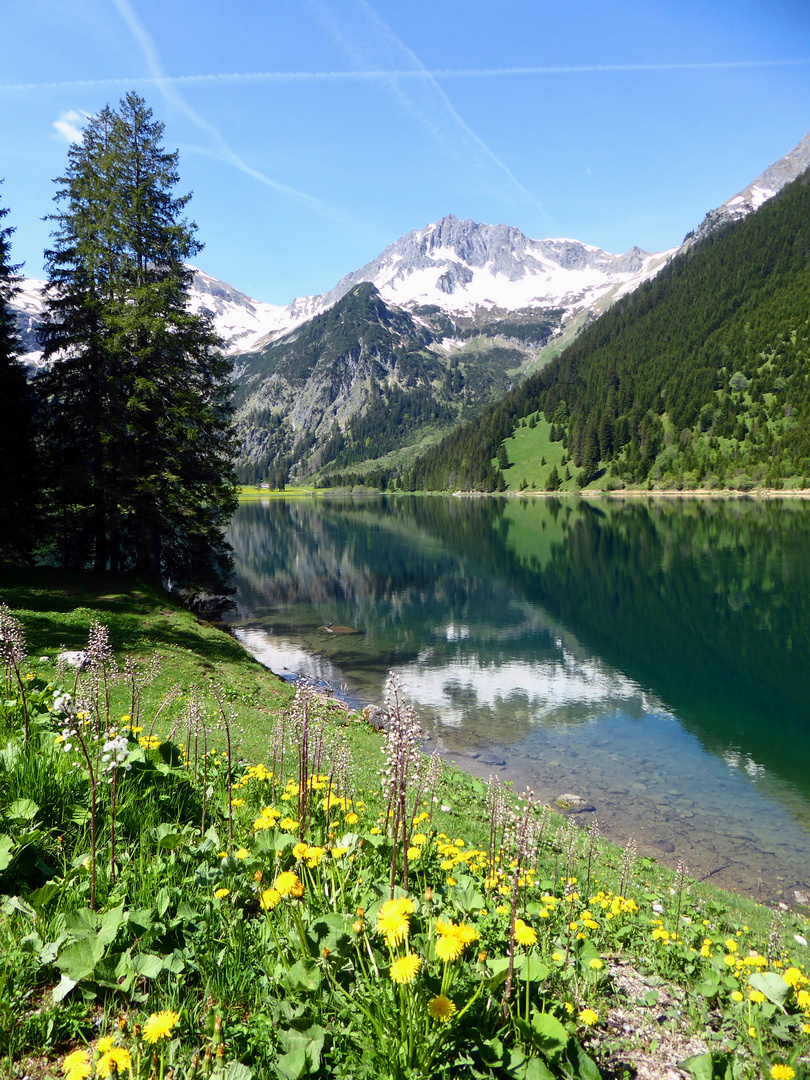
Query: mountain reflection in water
x=648, y=654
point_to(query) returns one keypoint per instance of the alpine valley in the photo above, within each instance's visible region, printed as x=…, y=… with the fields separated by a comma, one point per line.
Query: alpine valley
x=357, y=383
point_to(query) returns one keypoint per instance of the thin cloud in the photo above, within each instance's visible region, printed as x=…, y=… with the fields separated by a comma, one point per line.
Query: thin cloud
x=69, y=126
x=371, y=75
x=221, y=148
x=433, y=110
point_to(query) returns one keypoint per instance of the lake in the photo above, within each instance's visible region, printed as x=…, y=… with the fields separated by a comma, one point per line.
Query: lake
x=648, y=655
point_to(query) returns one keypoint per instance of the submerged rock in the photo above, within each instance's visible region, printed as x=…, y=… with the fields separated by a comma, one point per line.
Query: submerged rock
x=573, y=803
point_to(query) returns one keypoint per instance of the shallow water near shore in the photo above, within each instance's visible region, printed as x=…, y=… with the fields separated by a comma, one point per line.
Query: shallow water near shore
x=649, y=656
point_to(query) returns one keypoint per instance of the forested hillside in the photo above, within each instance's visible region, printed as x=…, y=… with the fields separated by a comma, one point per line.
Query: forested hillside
x=699, y=377
x=365, y=379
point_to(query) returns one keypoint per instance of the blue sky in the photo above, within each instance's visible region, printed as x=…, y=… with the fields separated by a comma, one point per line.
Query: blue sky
x=315, y=132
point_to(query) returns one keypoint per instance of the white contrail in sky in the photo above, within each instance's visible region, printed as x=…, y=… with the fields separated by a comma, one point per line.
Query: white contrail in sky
x=371, y=74
x=221, y=149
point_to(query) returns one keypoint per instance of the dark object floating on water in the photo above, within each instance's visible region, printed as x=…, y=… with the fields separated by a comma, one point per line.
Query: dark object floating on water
x=331, y=629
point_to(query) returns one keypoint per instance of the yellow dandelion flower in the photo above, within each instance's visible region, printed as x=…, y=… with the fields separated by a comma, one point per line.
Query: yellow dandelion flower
x=756, y=996
x=792, y=977
x=114, y=1062
x=241, y=853
x=159, y=1025
x=524, y=934
x=596, y=964
x=588, y=1017
x=405, y=969
x=221, y=893
x=289, y=884
x=288, y=825
x=269, y=899
x=441, y=1008
x=418, y=839
x=752, y=1031
x=77, y=1065
x=737, y=996
x=782, y=1072
x=449, y=948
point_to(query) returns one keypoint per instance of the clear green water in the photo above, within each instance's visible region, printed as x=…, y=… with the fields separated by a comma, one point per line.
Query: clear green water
x=648, y=655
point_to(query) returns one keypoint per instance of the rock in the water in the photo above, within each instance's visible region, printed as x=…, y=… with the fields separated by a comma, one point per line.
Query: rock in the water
x=573, y=803
x=491, y=759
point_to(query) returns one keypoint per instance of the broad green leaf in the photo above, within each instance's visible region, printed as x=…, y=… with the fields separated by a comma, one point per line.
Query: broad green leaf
x=534, y=970
x=584, y=1066
x=23, y=810
x=78, y=961
x=537, y=1070
x=62, y=989
x=549, y=1033
x=237, y=1071
x=148, y=965
x=110, y=924
x=773, y=986
x=302, y=977
x=6, y=848
x=709, y=1066
x=294, y=1064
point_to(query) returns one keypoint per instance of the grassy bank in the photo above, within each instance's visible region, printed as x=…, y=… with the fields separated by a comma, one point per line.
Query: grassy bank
x=225, y=878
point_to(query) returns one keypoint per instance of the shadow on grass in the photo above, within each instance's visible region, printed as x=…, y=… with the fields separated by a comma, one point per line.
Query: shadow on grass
x=57, y=608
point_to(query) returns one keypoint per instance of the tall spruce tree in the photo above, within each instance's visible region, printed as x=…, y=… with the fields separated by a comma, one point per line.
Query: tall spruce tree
x=18, y=493
x=138, y=417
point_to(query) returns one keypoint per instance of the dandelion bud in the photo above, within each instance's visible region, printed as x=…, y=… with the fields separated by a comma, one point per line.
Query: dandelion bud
x=325, y=953
x=428, y=893
x=216, y=1038
x=221, y=1051
x=208, y=1063
x=482, y=956
x=123, y=1024
x=360, y=912
x=358, y=927
x=257, y=876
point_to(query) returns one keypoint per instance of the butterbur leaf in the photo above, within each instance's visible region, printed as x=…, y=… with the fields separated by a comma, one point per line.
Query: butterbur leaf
x=6, y=848
x=78, y=961
x=709, y=1066
x=237, y=1071
x=773, y=986
x=294, y=1064
x=584, y=1066
x=549, y=1033
x=302, y=976
x=536, y=1069
x=62, y=989
x=22, y=810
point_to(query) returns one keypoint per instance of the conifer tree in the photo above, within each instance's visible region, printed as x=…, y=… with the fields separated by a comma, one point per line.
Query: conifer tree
x=17, y=489
x=137, y=431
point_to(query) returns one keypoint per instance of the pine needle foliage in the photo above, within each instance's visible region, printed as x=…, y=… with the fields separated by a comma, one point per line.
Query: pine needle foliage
x=136, y=430
x=17, y=502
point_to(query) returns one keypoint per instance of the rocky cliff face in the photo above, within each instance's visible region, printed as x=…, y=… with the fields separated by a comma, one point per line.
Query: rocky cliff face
x=766, y=185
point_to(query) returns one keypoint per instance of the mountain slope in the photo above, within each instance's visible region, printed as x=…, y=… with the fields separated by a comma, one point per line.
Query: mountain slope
x=766, y=185
x=701, y=376
x=354, y=383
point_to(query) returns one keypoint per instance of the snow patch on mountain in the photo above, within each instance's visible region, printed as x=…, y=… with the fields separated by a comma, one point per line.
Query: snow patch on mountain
x=766, y=185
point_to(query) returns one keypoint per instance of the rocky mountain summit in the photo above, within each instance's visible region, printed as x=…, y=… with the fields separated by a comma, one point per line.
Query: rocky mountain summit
x=766, y=185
